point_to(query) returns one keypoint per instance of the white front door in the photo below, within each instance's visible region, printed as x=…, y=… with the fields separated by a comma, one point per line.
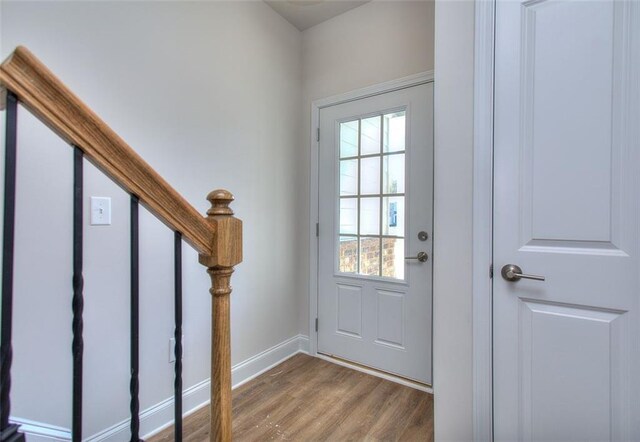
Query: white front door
x=375, y=213
x=567, y=207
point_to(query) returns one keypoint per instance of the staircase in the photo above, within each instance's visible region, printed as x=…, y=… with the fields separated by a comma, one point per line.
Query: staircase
x=217, y=237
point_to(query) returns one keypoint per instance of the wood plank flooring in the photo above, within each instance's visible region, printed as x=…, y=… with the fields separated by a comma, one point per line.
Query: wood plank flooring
x=309, y=399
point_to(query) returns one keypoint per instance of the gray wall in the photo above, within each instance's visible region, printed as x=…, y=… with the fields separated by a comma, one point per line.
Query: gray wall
x=209, y=93
x=452, y=356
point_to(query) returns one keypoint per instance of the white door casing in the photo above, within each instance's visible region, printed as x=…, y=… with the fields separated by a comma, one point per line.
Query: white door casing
x=566, y=351
x=379, y=322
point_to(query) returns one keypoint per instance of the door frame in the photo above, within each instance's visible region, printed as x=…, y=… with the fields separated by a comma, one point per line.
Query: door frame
x=482, y=286
x=369, y=91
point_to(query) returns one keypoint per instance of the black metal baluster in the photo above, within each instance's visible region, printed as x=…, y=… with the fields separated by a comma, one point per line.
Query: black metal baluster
x=9, y=432
x=134, y=385
x=177, y=385
x=77, y=345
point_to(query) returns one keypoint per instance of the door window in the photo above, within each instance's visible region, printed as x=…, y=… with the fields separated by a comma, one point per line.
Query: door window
x=372, y=196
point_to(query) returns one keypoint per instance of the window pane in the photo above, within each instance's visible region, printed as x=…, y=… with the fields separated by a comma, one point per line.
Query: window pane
x=370, y=136
x=370, y=216
x=349, y=216
x=348, y=177
x=370, y=256
x=362, y=211
x=393, y=174
x=393, y=221
x=394, y=132
x=370, y=176
x=349, y=139
x=393, y=258
x=348, y=255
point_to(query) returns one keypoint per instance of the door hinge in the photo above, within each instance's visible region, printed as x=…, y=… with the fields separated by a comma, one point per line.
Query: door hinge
x=317, y=230
x=318, y=134
x=491, y=271
x=316, y=324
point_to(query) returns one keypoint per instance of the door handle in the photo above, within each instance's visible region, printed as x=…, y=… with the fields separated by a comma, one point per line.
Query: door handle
x=422, y=257
x=513, y=273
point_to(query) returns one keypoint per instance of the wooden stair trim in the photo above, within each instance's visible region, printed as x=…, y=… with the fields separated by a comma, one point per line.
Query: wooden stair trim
x=40, y=91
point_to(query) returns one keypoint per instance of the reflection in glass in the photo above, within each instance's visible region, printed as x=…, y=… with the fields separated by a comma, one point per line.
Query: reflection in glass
x=370, y=216
x=370, y=135
x=393, y=213
x=394, y=137
x=348, y=262
x=370, y=176
x=393, y=258
x=393, y=174
x=349, y=139
x=349, y=216
x=348, y=177
x=370, y=256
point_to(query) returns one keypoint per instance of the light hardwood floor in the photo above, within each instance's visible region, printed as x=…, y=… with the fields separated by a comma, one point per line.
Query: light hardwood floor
x=309, y=399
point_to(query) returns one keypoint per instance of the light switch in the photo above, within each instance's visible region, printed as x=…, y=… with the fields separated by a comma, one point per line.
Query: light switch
x=100, y=211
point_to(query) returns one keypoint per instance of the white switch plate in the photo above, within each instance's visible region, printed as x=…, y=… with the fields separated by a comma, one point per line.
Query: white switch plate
x=100, y=211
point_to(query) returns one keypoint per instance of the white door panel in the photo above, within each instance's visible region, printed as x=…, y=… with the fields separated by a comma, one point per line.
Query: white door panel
x=566, y=206
x=376, y=193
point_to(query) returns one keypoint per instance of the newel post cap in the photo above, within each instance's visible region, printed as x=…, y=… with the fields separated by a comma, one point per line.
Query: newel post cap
x=226, y=250
x=220, y=200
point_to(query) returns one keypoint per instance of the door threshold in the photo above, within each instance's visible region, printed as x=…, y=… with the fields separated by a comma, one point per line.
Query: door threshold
x=378, y=373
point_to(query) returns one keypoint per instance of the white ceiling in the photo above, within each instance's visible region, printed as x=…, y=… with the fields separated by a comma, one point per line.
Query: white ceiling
x=306, y=13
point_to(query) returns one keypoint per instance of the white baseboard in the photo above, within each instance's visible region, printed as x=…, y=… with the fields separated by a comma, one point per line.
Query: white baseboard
x=254, y=366
x=160, y=416
x=304, y=344
x=157, y=417
x=40, y=432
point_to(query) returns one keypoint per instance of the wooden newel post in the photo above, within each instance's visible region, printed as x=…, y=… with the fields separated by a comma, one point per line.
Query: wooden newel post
x=226, y=253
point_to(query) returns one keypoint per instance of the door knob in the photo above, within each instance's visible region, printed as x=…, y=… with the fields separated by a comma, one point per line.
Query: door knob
x=513, y=273
x=422, y=257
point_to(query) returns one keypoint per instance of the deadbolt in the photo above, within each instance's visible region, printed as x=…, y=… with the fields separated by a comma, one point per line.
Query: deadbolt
x=423, y=236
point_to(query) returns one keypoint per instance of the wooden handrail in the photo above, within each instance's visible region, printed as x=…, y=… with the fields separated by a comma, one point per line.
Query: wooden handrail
x=217, y=238
x=56, y=106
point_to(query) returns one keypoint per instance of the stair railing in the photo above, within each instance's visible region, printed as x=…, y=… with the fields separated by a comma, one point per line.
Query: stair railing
x=217, y=238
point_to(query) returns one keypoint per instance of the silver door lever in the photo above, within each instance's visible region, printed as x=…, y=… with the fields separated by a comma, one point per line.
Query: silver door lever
x=513, y=273
x=422, y=257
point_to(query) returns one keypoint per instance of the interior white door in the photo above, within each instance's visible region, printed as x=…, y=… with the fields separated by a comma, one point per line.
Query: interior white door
x=566, y=207
x=375, y=197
